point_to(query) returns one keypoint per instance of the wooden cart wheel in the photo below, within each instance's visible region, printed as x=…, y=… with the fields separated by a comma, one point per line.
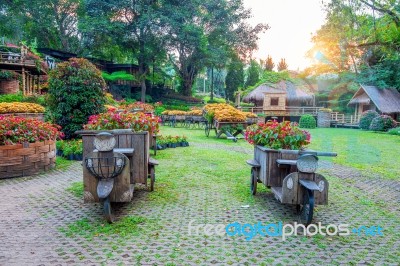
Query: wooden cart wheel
x=307, y=209
x=253, y=181
x=107, y=212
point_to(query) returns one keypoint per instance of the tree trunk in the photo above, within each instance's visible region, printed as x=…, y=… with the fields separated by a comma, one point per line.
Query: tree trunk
x=212, y=85
x=187, y=83
x=142, y=72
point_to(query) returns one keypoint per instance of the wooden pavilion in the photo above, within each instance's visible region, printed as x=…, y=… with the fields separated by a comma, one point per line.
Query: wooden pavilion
x=30, y=66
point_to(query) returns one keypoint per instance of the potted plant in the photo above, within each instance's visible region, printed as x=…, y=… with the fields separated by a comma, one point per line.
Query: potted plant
x=68, y=152
x=78, y=150
x=59, y=147
x=184, y=142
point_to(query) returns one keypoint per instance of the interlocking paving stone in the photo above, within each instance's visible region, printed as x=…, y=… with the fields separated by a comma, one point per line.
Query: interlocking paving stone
x=34, y=209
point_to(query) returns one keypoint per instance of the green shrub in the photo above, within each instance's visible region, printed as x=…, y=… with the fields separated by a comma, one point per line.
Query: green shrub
x=382, y=123
x=366, y=119
x=10, y=98
x=206, y=99
x=158, y=110
x=394, y=131
x=307, y=121
x=75, y=93
x=38, y=99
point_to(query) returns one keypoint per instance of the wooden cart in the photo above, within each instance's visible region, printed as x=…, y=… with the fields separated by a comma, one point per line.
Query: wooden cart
x=141, y=166
x=232, y=130
x=291, y=176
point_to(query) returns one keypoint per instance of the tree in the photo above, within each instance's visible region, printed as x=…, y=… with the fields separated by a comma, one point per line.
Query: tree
x=253, y=74
x=234, y=78
x=282, y=65
x=134, y=27
x=52, y=22
x=269, y=64
x=203, y=33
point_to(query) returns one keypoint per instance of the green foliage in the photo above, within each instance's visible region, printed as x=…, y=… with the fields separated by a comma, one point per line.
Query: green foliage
x=158, y=110
x=7, y=75
x=234, y=78
x=382, y=123
x=38, y=99
x=206, y=99
x=9, y=98
x=366, y=119
x=269, y=77
x=253, y=74
x=75, y=92
x=307, y=121
x=118, y=75
x=394, y=131
x=76, y=188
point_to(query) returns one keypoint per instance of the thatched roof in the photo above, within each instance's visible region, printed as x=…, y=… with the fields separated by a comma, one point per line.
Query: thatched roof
x=386, y=100
x=293, y=93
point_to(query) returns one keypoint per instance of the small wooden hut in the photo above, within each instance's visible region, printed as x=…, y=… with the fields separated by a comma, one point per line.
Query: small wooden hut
x=277, y=97
x=384, y=101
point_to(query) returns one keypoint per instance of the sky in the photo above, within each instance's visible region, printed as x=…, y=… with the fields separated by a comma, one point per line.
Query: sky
x=292, y=23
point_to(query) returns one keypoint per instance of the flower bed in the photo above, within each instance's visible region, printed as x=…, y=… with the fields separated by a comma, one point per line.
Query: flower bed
x=17, y=107
x=274, y=135
x=123, y=120
x=27, y=146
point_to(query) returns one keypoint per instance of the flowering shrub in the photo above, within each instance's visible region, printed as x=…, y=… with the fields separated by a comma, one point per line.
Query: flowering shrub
x=123, y=120
x=17, y=107
x=276, y=135
x=382, y=123
x=75, y=92
x=144, y=107
x=17, y=130
x=225, y=113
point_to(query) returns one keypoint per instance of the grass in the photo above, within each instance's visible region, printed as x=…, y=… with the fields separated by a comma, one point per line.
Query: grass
x=76, y=188
x=62, y=163
x=125, y=227
x=374, y=154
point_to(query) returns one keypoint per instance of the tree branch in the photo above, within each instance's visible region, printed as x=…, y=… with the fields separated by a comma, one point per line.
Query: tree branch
x=381, y=9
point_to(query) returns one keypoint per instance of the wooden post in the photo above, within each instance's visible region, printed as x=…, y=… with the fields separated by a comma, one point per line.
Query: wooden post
x=38, y=84
x=23, y=81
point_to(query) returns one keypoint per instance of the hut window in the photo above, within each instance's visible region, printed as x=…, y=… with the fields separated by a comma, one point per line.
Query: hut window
x=274, y=101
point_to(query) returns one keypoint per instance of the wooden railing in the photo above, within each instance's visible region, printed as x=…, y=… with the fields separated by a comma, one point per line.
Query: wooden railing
x=293, y=110
x=345, y=119
x=15, y=58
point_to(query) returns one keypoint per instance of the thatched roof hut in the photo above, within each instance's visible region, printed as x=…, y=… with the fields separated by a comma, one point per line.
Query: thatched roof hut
x=386, y=101
x=295, y=95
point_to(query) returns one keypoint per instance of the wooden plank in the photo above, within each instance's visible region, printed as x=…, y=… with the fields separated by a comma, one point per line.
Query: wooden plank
x=289, y=189
x=300, y=191
x=321, y=196
x=274, y=175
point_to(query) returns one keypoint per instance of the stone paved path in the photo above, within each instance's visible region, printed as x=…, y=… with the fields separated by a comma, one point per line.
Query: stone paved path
x=43, y=224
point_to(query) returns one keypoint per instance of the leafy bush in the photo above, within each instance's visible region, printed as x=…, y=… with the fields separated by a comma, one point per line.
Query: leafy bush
x=394, y=131
x=382, y=123
x=307, y=121
x=366, y=119
x=38, y=99
x=206, y=99
x=8, y=98
x=75, y=92
x=17, y=130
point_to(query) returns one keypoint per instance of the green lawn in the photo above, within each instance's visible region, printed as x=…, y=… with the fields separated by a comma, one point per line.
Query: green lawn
x=370, y=152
